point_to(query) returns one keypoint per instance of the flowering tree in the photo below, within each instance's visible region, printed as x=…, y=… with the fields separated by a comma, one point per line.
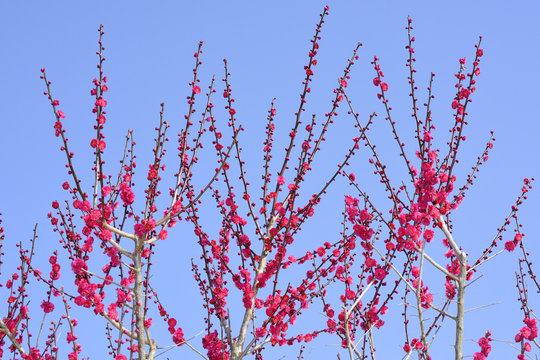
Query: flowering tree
x=253, y=282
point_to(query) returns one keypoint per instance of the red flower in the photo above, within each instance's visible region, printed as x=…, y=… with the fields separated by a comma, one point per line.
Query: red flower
x=57, y=128
x=428, y=235
x=163, y=234
x=79, y=266
x=101, y=102
x=380, y=274
x=178, y=337
x=510, y=246
x=71, y=337
x=47, y=306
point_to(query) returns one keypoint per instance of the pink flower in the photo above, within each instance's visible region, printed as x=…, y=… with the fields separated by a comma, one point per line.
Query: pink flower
x=152, y=174
x=171, y=322
x=178, y=337
x=261, y=332
x=510, y=246
x=101, y=102
x=106, y=190
x=47, y=306
x=384, y=87
x=281, y=180
x=406, y=348
x=126, y=194
x=79, y=266
x=428, y=235
x=196, y=89
x=377, y=81
x=61, y=114
x=145, y=227
x=363, y=232
x=163, y=234
x=232, y=111
x=343, y=83
x=57, y=128
x=71, y=337
x=380, y=274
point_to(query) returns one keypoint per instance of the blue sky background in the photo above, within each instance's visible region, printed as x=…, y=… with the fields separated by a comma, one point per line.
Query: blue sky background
x=149, y=51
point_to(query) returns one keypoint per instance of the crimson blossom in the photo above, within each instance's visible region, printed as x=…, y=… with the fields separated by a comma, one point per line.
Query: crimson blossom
x=257, y=279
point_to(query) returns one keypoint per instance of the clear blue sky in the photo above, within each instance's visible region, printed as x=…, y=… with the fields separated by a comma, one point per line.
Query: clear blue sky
x=149, y=50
